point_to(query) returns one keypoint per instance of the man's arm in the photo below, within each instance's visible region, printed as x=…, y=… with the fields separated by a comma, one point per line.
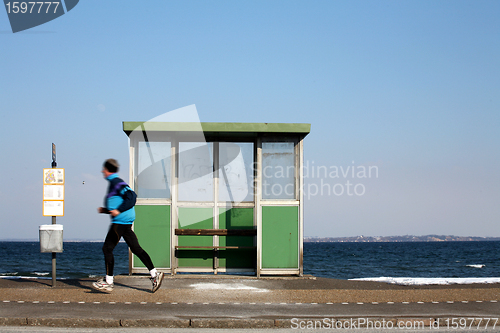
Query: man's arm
x=103, y=210
x=129, y=199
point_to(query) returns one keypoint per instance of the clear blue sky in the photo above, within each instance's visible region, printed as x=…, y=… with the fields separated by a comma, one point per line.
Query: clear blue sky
x=409, y=87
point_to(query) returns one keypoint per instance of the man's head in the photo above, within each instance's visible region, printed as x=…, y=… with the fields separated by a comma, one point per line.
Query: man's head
x=110, y=166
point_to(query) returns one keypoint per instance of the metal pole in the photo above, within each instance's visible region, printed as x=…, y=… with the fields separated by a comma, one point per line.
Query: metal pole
x=54, y=165
x=53, y=260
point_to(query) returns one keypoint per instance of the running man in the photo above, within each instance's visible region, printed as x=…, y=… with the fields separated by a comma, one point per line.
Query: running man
x=119, y=203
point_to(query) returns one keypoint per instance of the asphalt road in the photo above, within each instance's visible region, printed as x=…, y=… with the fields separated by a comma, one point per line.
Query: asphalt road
x=212, y=330
x=246, y=302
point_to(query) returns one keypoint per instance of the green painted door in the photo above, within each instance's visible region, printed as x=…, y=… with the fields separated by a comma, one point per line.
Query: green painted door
x=236, y=218
x=195, y=218
x=152, y=227
x=280, y=237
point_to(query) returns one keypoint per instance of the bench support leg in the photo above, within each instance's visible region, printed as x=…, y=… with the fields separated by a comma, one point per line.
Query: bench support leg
x=216, y=261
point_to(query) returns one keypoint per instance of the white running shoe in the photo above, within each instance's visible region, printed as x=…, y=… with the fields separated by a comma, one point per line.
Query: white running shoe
x=157, y=280
x=101, y=284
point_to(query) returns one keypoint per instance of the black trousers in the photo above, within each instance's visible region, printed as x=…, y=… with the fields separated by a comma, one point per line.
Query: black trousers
x=115, y=233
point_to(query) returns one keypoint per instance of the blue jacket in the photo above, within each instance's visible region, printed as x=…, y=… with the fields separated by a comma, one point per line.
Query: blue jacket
x=120, y=196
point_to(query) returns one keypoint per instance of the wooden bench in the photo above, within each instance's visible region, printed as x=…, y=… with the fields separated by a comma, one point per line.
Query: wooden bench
x=215, y=232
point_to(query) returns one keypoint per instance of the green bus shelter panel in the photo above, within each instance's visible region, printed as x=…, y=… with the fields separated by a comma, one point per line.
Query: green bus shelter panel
x=152, y=227
x=195, y=218
x=218, y=129
x=280, y=237
x=241, y=259
x=195, y=258
x=236, y=218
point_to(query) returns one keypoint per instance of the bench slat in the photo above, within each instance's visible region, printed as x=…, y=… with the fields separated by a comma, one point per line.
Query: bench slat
x=216, y=232
x=216, y=247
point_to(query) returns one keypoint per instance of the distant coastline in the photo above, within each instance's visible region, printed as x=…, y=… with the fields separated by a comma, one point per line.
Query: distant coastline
x=401, y=239
x=353, y=239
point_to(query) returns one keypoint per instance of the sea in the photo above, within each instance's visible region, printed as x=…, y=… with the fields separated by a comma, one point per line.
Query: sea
x=401, y=263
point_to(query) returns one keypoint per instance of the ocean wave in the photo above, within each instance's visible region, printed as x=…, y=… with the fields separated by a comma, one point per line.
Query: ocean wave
x=29, y=278
x=41, y=273
x=476, y=266
x=8, y=274
x=406, y=281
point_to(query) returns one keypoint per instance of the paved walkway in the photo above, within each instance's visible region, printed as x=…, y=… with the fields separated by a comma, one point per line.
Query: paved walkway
x=243, y=302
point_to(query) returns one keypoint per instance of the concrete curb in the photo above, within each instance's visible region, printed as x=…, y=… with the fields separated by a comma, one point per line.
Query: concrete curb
x=13, y=321
x=232, y=323
x=298, y=323
x=73, y=322
x=164, y=323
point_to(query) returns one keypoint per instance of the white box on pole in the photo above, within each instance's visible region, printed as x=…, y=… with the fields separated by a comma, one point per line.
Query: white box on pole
x=51, y=238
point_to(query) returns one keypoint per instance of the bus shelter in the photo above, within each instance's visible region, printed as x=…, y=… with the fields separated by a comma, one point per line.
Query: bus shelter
x=218, y=197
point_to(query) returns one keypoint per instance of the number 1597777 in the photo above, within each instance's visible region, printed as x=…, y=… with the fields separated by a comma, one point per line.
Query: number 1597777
x=469, y=323
x=31, y=7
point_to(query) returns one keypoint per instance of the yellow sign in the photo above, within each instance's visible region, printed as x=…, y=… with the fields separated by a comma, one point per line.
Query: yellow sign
x=53, y=176
x=53, y=192
x=53, y=208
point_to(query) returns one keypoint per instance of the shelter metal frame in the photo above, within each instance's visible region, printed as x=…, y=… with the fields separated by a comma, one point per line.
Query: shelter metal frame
x=215, y=133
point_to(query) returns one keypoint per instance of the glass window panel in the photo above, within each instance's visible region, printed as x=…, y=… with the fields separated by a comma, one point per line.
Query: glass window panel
x=195, y=171
x=153, y=170
x=278, y=170
x=235, y=172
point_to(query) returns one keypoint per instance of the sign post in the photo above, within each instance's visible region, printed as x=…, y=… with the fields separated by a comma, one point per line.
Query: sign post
x=54, y=165
x=53, y=198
